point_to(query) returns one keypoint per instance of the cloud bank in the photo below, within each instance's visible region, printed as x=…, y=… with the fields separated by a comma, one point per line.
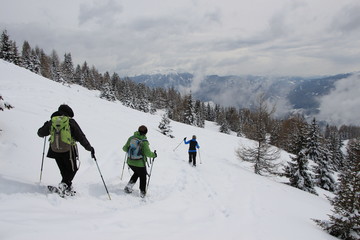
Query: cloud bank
x=341, y=106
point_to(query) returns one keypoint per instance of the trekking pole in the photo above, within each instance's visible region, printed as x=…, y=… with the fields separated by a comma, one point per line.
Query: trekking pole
x=123, y=167
x=42, y=161
x=101, y=176
x=177, y=146
x=147, y=186
x=200, y=157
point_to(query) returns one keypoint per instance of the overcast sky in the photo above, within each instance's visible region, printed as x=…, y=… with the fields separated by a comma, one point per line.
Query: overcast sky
x=130, y=37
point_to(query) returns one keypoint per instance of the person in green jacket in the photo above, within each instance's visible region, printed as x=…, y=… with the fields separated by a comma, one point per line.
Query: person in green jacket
x=138, y=163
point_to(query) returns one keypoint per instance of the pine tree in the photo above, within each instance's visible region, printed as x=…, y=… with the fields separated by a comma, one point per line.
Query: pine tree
x=297, y=169
x=334, y=144
x=78, y=79
x=26, y=56
x=55, y=67
x=313, y=145
x=320, y=155
x=67, y=68
x=140, y=97
x=107, y=91
x=5, y=47
x=165, y=127
x=189, y=110
x=15, y=57
x=323, y=174
x=199, y=114
x=344, y=223
x=222, y=122
x=35, y=59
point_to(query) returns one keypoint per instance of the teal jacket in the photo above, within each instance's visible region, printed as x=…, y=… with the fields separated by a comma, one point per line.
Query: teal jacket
x=146, y=152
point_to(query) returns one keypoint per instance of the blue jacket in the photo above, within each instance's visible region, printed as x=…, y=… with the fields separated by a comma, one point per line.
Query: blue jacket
x=193, y=145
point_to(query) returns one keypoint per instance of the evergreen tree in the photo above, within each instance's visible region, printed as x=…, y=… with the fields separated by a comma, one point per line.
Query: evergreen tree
x=16, y=59
x=189, y=111
x=140, y=98
x=334, y=144
x=5, y=47
x=165, y=127
x=323, y=174
x=210, y=113
x=126, y=96
x=86, y=75
x=55, y=67
x=319, y=154
x=78, y=78
x=67, y=69
x=297, y=169
x=107, y=91
x=313, y=145
x=26, y=56
x=222, y=122
x=35, y=59
x=344, y=223
x=199, y=114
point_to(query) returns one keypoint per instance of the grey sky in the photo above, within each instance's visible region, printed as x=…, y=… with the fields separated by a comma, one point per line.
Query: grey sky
x=259, y=37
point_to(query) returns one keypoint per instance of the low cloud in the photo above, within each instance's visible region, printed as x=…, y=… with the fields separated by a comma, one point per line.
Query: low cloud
x=341, y=106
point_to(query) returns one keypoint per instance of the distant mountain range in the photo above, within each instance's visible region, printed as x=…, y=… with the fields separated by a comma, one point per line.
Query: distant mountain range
x=291, y=94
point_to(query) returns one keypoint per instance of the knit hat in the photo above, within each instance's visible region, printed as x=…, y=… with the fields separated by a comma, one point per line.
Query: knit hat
x=142, y=130
x=66, y=110
x=194, y=137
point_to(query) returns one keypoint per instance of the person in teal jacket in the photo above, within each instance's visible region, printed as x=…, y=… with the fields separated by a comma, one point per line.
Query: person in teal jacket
x=138, y=166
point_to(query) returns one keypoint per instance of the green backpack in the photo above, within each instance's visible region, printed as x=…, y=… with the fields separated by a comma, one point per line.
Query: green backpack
x=60, y=134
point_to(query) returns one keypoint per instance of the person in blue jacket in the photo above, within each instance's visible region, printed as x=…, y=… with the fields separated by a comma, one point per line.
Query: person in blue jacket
x=192, y=149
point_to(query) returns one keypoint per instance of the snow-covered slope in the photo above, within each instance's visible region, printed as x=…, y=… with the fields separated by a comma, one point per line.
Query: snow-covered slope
x=219, y=199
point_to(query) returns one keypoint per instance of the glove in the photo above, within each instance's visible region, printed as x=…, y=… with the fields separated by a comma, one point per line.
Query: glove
x=184, y=138
x=155, y=154
x=92, y=152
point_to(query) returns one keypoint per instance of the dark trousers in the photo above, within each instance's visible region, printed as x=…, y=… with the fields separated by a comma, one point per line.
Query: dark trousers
x=67, y=166
x=139, y=172
x=192, y=158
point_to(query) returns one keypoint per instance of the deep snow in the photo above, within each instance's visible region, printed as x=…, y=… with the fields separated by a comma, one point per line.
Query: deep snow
x=219, y=199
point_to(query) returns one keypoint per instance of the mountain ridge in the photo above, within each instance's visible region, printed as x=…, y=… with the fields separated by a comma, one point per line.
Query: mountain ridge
x=300, y=94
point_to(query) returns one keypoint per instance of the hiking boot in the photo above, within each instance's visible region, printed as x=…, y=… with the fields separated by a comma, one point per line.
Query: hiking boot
x=69, y=191
x=66, y=190
x=128, y=189
x=62, y=187
x=142, y=194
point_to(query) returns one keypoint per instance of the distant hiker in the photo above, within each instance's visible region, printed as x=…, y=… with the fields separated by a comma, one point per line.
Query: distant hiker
x=64, y=133
x=137, y=148
x=192, y=149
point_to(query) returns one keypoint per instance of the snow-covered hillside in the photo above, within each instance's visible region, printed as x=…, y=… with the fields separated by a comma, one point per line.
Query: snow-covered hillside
x=219, y=199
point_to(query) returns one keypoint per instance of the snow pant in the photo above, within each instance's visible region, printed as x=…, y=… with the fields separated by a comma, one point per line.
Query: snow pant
x=192, y=158
x=67, y=166
x=139, y=172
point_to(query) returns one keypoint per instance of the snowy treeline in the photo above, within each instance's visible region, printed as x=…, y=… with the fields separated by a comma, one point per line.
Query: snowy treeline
x=316, y=157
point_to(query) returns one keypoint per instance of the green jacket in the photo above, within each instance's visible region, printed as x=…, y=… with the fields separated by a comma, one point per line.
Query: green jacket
x=145, y=151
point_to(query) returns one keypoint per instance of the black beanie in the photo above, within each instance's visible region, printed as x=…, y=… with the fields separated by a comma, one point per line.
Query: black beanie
x=142, y=130
x=67, y=110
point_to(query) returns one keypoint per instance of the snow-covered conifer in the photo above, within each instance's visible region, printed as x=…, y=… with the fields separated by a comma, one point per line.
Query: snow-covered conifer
x=344, y=223
x=165, y=127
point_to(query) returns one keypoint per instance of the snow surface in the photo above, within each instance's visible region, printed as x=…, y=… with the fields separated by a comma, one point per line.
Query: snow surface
x=219, y=199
